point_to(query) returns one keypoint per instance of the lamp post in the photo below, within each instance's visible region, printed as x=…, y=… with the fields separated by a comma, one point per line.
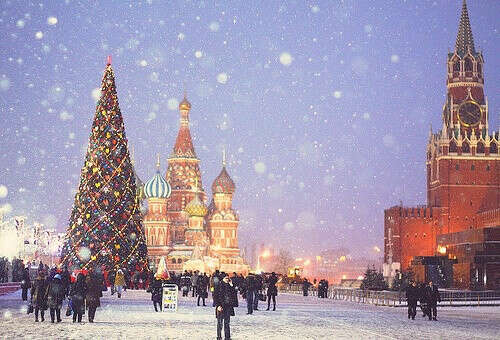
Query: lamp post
x=264, y=255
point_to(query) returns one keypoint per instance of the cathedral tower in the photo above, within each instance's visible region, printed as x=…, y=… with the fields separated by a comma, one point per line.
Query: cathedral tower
x=156, y=223
x=183, y=174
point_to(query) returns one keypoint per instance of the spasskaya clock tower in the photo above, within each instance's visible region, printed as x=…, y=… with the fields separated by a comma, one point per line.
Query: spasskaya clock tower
x=466, y=109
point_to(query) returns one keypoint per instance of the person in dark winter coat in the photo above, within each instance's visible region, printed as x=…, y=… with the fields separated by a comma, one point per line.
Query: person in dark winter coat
x=93, y=294
x=202, y=288
x=156, y=290
x=433, y=297
x=272, y=290
x=77, y=295
x=225, y=298
x=259, y=285
x=305, y=287
x=422, y=297
x=66, y=280
x=39, y=295
x=411, y=299
x=55, y=297
x=250, y=290
x=25, y=283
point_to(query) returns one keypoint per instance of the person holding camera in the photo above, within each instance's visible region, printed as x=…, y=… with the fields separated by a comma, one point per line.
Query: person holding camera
x=225, y=299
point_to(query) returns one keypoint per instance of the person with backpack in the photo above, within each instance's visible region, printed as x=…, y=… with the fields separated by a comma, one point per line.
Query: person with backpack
x=55, y=297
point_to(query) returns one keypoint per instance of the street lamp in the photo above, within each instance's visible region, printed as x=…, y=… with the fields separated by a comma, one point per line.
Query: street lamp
x=265, y=254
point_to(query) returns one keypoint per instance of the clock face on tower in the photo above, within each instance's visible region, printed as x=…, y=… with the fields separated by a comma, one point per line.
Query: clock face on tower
x=469, y=113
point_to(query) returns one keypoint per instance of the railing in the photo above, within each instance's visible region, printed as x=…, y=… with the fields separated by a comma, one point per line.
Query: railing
x=398, y=299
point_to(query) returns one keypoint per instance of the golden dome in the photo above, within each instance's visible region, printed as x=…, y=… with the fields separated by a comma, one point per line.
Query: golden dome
x=196, y=207
x=185, y=104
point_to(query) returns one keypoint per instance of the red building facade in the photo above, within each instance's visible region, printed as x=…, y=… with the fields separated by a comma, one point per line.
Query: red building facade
x=463, y=182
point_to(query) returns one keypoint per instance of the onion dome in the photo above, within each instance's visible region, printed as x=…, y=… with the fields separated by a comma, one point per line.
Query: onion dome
x=185, y=104
x=223, y=183
x=157, y=187
x=196, y=207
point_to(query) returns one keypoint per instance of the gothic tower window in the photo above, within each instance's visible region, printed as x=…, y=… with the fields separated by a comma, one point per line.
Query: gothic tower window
x=453, y=147
x=468, y=65
x=480, y=148
x=456, y=66
x=479, y=69
x=493, y=148
x=465, y=147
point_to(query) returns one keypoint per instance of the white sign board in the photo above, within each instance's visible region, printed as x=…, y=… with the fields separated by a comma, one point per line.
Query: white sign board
x=170, y=297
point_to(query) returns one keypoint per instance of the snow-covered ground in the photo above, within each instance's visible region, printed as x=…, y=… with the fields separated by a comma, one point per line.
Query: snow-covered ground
x=297, y=317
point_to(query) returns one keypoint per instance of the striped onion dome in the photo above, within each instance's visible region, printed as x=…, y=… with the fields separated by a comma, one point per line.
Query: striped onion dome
x=157, y=187
x=223, y=183
x=196, y=207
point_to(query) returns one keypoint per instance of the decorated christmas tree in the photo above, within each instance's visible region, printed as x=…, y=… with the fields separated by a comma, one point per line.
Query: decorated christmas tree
x=105, y=227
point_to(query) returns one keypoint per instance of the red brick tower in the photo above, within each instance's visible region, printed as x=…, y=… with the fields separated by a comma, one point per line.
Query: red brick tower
x=183, y=173
x=461, y=222
x=461, y=159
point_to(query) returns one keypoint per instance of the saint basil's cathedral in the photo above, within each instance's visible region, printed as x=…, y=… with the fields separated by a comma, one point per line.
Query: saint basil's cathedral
x=178, y=225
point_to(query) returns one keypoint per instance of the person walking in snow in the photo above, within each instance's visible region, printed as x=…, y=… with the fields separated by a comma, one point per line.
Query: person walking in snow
x=305, y=287
x=39, y=296
x=411, y=299
x=194, y=281
x=250, y=292
x=55, y=297
x=225, y=298
x=77, y=295
x=94, y=294
x=25, y=283
x=185, y=283
x=259, y=285
x=119, y=282
x=202, y=288
x=433, y=297
x=156, y=289
x=272, y=290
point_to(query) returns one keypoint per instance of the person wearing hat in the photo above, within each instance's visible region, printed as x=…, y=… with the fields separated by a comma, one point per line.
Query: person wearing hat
x=119, y=282
x=272, y=290
x=93, y=294
x=411, y=299
x=225, y=299
x=55, y=297
x=39, y=296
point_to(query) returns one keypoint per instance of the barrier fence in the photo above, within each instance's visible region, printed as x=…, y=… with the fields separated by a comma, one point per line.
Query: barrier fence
x=398, y=299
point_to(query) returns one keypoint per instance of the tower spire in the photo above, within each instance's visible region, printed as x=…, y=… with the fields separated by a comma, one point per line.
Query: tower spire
x=465, y=41
x=158, y=162
x=224, y=156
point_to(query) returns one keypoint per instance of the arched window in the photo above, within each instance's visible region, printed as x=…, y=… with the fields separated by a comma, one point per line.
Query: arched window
x=468, y=65
x=493, y=148
x=480, y=147
x=456, y=66
x=465, y=147
x=479, y=68
x=453, y=147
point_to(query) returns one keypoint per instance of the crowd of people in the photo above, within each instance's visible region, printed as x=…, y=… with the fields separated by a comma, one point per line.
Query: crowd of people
x=428, y=296
x=51, y=287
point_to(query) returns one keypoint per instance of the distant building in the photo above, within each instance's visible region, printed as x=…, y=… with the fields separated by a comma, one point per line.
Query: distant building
x=460, y=225
x=178, y=225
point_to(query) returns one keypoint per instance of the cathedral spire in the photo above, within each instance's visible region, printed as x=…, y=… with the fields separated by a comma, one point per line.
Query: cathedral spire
x=465, y=41
x=184, y=145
